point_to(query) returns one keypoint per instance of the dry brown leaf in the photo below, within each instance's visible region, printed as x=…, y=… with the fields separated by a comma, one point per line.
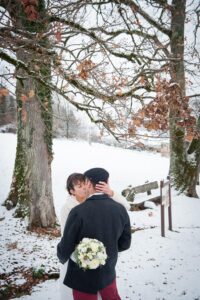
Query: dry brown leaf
x=58, y=36
x=137, y=122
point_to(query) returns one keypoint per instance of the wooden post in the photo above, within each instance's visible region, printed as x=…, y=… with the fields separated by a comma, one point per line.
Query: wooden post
x=162, y=207
x=170, y=208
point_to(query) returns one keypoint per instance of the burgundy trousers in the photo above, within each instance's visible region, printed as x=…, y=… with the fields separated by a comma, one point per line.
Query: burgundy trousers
x=108, y=293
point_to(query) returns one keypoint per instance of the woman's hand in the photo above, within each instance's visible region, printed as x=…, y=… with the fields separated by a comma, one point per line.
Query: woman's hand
x=104, y=187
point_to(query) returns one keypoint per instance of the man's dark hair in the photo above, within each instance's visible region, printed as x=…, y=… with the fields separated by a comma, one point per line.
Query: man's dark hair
x=74, y=179
x=97, y=174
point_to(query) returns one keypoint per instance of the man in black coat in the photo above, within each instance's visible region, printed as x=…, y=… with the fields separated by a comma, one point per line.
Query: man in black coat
x=101, y=218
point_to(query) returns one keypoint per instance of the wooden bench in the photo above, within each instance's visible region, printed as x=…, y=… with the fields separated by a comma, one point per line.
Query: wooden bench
x=164, y=199
x=130, y=192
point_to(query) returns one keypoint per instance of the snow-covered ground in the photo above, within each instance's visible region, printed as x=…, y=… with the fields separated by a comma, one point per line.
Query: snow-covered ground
x=154, y=268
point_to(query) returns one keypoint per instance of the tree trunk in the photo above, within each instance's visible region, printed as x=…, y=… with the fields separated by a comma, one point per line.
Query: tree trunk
x=31, y=188
x=194, y=151
x=183, y=171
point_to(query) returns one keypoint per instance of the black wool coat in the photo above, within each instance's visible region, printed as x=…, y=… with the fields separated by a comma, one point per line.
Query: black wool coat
x=102, y=218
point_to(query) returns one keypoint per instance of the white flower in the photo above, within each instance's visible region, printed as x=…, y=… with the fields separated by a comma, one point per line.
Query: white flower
x=94, y=264
x=90, y=254
x=94, y=247
x=103, y=261
x=85, y=240
x=84, y=265
x=81, y=256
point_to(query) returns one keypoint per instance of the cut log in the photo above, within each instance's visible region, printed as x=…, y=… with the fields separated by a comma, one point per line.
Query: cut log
x=141, y=206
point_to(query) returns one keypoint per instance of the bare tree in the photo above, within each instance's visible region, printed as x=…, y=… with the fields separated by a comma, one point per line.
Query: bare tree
x=156, y=43
x=31, y=187
x=47, y=57
x=65, y=121
x=106, y=58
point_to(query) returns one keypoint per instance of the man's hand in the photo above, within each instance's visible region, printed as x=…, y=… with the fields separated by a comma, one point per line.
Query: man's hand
x=104, y=187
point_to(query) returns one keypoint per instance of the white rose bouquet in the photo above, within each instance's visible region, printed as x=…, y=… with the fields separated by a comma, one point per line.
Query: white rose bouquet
x=90, y=254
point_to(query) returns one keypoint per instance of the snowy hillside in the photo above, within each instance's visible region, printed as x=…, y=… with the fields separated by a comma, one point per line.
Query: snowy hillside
x=154, y=268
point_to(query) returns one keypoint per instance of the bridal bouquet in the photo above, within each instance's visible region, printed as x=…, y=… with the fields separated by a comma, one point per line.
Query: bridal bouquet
x=90, y=254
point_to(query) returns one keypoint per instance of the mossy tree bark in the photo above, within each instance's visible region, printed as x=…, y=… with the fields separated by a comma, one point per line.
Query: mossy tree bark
x=193, y=151
x=31, y=188
x=183, y=168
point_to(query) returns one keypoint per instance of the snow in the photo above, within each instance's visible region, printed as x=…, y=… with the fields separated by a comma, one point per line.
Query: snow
x=125, y=166
x=154, y=268
x=149, y=204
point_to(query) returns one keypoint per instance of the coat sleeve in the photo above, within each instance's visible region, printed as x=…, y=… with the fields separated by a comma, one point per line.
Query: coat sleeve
x=65, y=210
x=124, y=241
x=69, y=239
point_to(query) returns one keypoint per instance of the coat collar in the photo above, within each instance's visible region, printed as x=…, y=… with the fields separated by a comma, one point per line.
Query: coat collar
x=97, y=196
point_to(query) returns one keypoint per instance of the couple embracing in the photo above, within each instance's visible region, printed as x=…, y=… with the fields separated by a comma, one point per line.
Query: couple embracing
x=102, y=222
